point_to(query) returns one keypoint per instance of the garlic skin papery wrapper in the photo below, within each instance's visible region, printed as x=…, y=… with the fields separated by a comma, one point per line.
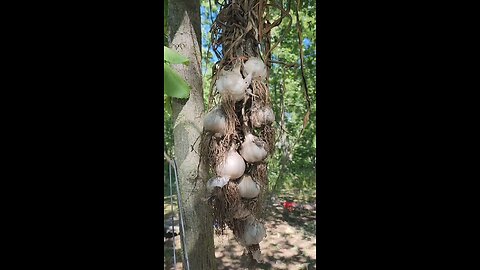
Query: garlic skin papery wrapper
x=216, y=122
x=247, y=188
x=216, y=182
x=253, y=149
x=233, y=167
x=254, y=232
x=256, y=68
x=262, y=116
x=232, y=83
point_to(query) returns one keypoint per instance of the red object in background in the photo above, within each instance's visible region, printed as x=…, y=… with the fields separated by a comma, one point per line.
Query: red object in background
x=289, y=206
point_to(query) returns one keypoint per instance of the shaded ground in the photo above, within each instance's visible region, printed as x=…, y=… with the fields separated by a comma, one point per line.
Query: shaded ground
x=290, y=242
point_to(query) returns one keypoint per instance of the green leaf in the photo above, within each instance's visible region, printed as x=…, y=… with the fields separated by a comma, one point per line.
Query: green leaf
x=165, y=8
x=173, y=57
x=174, y=85
x=168, y=105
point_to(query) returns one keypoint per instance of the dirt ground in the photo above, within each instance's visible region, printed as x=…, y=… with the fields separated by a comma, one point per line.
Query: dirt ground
x=290, y=243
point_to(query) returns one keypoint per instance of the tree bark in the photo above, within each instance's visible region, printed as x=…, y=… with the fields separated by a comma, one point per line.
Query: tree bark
x=185, y=38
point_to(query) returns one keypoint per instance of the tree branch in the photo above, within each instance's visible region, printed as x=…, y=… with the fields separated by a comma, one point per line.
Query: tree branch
x=292, y=65
x=300, y=40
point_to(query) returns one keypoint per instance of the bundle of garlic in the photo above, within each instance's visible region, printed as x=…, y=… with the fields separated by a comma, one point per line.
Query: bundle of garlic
x=215, y=122
x=247, y=187
x=255, y=67
x=240, y=75
x=253, y=149
x=216, y=182
x=254, y=232
x=231, y=84
x=261, y=116
x=233, y=166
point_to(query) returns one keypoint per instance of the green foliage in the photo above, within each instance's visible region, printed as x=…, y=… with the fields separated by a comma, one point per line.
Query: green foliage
x=172, y=57
x=174, y=85
x=293, y=165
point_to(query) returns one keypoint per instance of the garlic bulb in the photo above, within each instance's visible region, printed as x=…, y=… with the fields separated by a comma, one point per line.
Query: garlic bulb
x=232, y=83
x=216, y=182
x=215, y=121
x=253, y=149
x=254, y=232
x=247, y=187
x=268, y=115
x=262, y=116
x=256, y=67
x=233, y=166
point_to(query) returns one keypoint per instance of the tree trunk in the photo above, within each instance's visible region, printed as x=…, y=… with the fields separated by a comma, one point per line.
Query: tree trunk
x=185, y=38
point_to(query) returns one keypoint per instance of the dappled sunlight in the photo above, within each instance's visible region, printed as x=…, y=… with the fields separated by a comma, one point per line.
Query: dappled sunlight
x=290, y=243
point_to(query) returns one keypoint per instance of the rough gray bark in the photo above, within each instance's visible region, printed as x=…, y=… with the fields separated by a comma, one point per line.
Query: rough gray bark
x=185, y=38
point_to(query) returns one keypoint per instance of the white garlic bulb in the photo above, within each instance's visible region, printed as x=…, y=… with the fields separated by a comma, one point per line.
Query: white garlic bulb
x=216, y=182
x=253, y=149
x=256, y=67
x=233, y=166
x=247, y=188
x=231, y=83
x=268, y=115
x=262, y=116
x=215, y=121
x=254, y=232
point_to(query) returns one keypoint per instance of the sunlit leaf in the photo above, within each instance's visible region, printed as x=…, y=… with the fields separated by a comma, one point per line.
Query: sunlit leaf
x=165, y=8
x=174, y=85
x=173, y=57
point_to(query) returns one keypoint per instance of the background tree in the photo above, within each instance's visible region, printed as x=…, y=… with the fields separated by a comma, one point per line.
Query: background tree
x=185, y=38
